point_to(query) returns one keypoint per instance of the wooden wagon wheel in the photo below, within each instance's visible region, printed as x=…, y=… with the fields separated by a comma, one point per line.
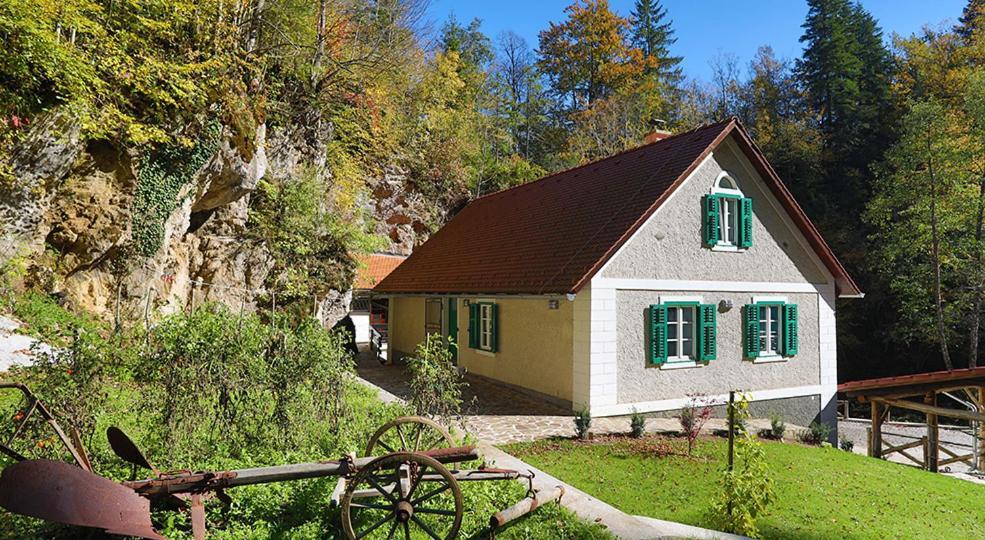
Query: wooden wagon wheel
x=399, y=493
x=409, y=434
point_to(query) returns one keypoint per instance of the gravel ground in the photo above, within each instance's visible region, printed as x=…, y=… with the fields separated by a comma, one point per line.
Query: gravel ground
x=894, y=433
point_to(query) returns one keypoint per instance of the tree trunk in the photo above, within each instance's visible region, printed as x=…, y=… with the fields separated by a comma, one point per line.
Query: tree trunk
x=320, y=43
x=936, y=259
x=979, y=281
x=253, y=37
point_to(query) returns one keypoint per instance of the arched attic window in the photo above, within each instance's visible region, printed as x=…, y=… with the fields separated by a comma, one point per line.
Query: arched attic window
x=728, y=215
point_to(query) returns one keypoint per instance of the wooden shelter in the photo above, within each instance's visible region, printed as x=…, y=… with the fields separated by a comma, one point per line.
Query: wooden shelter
x=900, y=391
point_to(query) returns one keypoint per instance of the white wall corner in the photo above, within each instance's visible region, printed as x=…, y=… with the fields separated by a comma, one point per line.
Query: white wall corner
x=603, y=372
x=828, y=344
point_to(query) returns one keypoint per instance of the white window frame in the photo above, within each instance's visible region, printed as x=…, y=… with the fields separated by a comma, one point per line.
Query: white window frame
x=728, y=212
x=485, y=327
x=678, y=362
x=779, y=302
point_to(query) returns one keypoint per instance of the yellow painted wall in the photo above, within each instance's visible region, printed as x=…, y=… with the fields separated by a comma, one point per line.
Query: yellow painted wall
x=535, y=342
x=534, y=345
x=406, y=321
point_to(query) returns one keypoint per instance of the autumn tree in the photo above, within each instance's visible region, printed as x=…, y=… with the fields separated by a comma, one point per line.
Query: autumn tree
x=588, y=57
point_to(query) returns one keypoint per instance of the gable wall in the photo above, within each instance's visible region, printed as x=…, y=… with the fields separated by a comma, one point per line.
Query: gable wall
x=670, y=245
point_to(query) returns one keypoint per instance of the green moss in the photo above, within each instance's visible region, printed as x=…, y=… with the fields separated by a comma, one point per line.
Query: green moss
x=821, y=493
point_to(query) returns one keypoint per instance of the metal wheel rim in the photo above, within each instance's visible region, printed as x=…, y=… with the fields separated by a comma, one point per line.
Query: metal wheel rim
x=394, y=527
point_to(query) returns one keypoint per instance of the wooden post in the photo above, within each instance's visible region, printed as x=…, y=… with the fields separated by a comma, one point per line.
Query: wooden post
x=979, y=445
x=731, y=428
x=933, y=444
x=875, y=442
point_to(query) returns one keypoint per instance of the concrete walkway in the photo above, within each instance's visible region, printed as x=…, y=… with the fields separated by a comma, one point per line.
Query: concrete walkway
x=15, y=349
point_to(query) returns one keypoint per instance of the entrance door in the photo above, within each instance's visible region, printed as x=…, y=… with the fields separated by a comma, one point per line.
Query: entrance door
x=432, y=316
x=453, y=328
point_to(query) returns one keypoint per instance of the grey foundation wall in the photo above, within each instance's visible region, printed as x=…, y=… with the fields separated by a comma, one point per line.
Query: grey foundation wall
x=801, y=410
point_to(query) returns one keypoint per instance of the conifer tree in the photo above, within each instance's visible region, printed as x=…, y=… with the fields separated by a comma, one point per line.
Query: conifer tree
x=651, y=32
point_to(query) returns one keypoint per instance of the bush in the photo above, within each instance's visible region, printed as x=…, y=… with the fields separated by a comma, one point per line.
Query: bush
x=846, y=444
x=816, y=433
x=637, y=424
x=583, y=422
x=436, y=383
x=694, y=414
x=777, y=426
x=747, y=489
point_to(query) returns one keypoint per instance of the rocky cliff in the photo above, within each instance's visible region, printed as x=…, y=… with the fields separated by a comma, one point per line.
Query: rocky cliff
x=69, y=215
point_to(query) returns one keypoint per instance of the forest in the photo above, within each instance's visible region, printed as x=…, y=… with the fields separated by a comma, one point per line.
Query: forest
x=881, y=138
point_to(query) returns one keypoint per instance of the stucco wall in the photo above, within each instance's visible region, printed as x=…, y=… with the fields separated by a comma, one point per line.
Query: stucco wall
x=406, y=320
x=638, y=381
x=670, y=245
x=535, y=346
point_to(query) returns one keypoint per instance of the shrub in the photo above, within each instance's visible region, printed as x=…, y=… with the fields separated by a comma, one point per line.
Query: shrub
x=777, y=426
x=637, y=424
x=583, y=422
x=815, y=434
x=748, y=488
x=435, y=381
x=694, y=414
x=846, y=444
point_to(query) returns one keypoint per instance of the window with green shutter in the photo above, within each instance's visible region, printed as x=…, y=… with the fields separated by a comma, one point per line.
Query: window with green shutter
x=484, y=326
x=727, y=216
x=770, y=329
x=681, y=332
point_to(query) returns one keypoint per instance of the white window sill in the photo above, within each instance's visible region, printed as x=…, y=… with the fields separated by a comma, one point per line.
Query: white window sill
x=725, y=247
x=768, y=359
x=485, y=353
x=682, y=363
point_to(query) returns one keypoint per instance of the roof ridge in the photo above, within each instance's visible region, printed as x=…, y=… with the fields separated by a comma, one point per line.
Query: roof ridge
x=601, y=160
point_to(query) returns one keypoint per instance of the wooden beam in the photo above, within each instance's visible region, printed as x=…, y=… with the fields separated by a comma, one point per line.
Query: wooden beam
x=914, y=390
x=933, y=435
x=932, y=409
x=954, y=457
x=875, y=439
x=905, y=446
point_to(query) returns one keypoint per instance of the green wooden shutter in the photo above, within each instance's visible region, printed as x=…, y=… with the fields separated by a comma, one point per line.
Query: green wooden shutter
x=751, y=330
x=493, y=327
x=658, y=334
x=790, y=330
x=710, y=229
x=745, y=222
x=474, y=325
x=708, y=331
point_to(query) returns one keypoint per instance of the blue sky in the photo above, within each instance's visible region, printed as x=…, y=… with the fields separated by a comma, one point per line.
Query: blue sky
x=703, y=27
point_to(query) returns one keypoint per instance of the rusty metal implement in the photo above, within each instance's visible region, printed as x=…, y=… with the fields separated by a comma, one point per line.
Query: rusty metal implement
x=410, y=487
x=60, y=492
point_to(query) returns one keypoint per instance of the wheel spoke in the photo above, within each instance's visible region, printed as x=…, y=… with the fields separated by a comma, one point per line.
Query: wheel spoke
x=424, y=526
x=406, y=531
x=417, y=438
x=372, y=481
x=375, y=526
x=385, y=446
x=431, y=495
x=393, y=529
x=438, y=511
x=403, y=441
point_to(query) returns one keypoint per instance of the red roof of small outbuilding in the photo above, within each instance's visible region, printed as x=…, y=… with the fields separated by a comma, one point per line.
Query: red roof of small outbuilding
x=550, y=236
x=374, y=267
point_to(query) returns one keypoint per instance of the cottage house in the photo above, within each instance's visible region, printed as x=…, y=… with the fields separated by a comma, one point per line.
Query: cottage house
x=682, y=266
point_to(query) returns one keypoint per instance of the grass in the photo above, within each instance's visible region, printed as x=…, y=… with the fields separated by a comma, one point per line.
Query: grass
x=822, y=493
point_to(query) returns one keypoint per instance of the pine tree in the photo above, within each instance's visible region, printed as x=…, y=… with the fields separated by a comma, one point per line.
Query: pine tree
x=652, y=34
x=971, y=18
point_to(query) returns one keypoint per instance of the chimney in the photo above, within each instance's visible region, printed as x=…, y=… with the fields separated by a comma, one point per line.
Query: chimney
x=656, y=134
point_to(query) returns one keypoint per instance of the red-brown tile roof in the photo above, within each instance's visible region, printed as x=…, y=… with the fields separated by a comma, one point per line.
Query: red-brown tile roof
x=907, y=380
x=552, y=235
x=374, y=267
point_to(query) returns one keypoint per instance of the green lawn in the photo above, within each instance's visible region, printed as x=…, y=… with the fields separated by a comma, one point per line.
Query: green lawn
x=822, y=493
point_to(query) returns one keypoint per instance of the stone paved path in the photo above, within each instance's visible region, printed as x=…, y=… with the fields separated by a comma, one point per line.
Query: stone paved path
x=500, y=414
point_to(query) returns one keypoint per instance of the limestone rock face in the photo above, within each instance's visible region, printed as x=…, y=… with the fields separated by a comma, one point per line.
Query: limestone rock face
x=70, y=210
